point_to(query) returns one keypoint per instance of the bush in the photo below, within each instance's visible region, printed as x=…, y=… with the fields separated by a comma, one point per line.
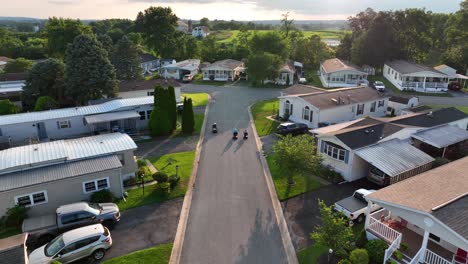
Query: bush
x=361, y=239
x=15, y=215
x=55, y=262
x=164, y=188
x=403, y=246
x=341, y=253
x=131, y=181
x=391, y=261
x=344, y=261
x=102, y=196
x=160, y=177
x=173, y=181
x=376, y=250
x=439, y=162
x=141, y=163
x=398, y=255
x=331, y=175
x=359, y=256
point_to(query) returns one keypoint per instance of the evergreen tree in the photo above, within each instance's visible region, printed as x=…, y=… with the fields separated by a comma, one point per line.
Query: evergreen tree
x=161, y=119
x=188, y=117
x=106, y=43
x=88, y=72
x=172, y=106
x=126, y=60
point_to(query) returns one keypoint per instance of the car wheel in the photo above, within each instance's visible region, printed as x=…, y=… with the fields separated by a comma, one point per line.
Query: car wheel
x=99, y=254
x=44, y=240
x=360, y=218
x=109, y=224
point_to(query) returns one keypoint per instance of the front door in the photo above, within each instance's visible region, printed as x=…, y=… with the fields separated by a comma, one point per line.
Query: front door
x=41, y=130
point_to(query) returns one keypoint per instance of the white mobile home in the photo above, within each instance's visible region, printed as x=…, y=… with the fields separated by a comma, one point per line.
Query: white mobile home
x=411, y=76
x=126, y=115
x=179, y=69
x=321, y=107
x=397, y=103
x=225, y=70
x=142, y=88
x=340, y=73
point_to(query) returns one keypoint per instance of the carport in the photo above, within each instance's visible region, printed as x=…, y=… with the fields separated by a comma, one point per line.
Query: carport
x=112, y=122
x=442, y=137
x=394, y=160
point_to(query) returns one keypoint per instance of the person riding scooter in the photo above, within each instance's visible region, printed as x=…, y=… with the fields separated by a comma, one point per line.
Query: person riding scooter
x=214, y=128
x=246, y=134
x=235, y=133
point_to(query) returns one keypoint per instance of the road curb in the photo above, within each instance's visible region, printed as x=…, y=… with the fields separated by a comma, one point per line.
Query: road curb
x=282, y=225
x=176, y=252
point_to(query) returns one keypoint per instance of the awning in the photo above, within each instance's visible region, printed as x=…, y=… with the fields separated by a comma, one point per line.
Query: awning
x=394, y=157
x=107, y=117
x=442, y=136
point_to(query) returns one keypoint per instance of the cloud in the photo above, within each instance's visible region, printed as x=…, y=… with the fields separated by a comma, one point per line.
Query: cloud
x=64, y=2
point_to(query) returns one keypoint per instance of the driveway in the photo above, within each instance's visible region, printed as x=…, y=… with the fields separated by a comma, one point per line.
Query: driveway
x=231, y=217
x=458, y=99
x=302, y=213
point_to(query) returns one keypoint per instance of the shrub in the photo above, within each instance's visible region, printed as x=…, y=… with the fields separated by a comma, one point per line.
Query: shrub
x=130, y=181
x=331, y=175
x=141, y=163
x=102, y=196
x=341, y=253
x=398, y=255
x=15, y=215
x=359, y=256
x=403, y=246
x=376, y=250
x=391, y=261
x=164, y=188
x=141, y=172
x=439, y=162
x=55, y=262
x=361, y=239
x=173, y=181
x=344, y=261
x=160, y=177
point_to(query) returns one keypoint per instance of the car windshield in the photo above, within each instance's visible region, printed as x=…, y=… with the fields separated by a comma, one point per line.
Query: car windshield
x=54, y=246
x=379, y=83
x=94, y=208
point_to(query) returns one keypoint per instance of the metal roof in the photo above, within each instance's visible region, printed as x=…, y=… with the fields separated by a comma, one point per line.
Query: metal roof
x=189, y=65
x=406, y=67
x=58, y=172
x=99, y=118
x=394, y=157
x=13, y=86
x=59, y=151
x=442, y=136
x=76, y=111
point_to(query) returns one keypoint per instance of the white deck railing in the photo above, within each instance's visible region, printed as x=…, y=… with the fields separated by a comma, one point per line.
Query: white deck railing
x=385, y=232
x=394, y=246
x=416, y=257
x=433, y=258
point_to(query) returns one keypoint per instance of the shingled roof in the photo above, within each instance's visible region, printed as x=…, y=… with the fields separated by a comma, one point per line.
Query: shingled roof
x=339, y=97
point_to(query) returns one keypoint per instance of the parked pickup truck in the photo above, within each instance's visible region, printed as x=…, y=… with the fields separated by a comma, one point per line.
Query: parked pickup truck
x=355, y=206
x=43, y=229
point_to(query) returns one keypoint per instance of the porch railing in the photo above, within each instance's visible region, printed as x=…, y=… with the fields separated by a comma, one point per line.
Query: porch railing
x=392, y=248
x=385, y=232
x=417, y=256
x=433, y=258
x=459, y=259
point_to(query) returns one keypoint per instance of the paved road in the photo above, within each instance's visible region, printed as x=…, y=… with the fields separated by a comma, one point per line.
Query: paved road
x=231, y=217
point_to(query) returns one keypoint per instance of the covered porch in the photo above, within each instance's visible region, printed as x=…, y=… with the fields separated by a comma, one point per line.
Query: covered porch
x=446, y=141
x=124, y=121
x=425, y=84
x=420, y=245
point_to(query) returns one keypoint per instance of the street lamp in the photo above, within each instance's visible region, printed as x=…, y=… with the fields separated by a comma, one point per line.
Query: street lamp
x=330, y=252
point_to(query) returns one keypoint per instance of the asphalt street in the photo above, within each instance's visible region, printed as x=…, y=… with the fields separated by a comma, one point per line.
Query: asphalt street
x=231, y=217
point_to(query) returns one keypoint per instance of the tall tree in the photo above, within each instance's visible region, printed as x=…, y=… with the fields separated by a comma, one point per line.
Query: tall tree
x=158, y=27
x=188, y=117
x=44, y=79
x=126, y=60
x=172, y=106
x=61, y=32
x=270, y=42
x=160, y=119
x=287, y=25
x=343, y=51
x=10, y=45
x=205, y=22
x=7, y=107
x=88, y=73
x=311, y=51
x=106, y=43
x=263, y=66
x=45, y=103
x=18, y=65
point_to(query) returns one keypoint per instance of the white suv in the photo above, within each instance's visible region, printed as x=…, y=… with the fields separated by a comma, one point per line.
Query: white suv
x=73, y=245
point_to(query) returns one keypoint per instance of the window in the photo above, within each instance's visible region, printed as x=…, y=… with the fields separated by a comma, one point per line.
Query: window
x=121, y=158
x=388, y=71
x=150, y=93
x=31, y=199
x=334, y=151
x=148, y=114
x=96, y=185
x=360, y=109
x=381, y=103
x=434, y=237
x=63, y=124
x=306, y=113
x=372, y=107
x=142, y=115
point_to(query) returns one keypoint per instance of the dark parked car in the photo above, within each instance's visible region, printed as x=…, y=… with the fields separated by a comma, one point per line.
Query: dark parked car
x=180, y=107
x=292, y=128
x=455, y=86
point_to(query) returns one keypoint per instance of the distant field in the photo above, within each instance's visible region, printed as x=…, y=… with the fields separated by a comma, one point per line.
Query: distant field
x=227, y=36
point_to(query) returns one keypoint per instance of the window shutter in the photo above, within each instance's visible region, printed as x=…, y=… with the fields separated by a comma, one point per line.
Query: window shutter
x=58, y=124
x=291, y=110
x=311, y=115
x=346, y=156
x=69, y=124
x=303, y=112
x=322, y=146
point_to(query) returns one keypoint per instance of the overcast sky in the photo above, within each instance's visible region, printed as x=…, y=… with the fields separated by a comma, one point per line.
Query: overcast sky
x=215, y=9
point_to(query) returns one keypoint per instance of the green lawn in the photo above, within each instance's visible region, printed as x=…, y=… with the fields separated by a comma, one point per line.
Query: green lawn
x=461, y=108
x=260, y=111
x=8, y=232
x=303, y=182
x=198, y=99
x=167, y=164
x=310, y=254
x=155, y=255
x=397, y=91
